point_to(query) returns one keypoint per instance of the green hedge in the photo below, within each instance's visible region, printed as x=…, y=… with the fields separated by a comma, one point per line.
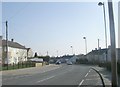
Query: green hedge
x=18, y=66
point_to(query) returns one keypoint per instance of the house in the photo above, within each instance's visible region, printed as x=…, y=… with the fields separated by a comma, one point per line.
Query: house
x=96, y=56
x=66, y=57
x=16, y=52
x=81, y=56
x=117, y=54
x=73, y=59
x=29, y=53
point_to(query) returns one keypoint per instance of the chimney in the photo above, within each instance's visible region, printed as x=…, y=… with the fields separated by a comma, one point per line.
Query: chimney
x=99, y=48
x=12, y=40
x=95, y=48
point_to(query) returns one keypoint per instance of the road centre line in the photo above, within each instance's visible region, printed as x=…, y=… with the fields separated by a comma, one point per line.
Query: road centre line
x=81, y=83
x=89, y=70
x=45, y=79
x=83, y=79
x=86, y=75
x=16, y=77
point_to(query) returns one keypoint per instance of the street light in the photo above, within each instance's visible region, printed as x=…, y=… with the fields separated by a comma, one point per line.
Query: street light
x=113, y=45
x=57, y=53
x=7, y=42
x=85, y=44
x=72, y=49
x=102, y=4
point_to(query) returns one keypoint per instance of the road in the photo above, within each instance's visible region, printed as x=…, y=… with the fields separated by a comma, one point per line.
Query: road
x=63, y=74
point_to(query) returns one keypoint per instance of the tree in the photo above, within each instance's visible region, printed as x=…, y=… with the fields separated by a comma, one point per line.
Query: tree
x=46, y=58
x=35, y=54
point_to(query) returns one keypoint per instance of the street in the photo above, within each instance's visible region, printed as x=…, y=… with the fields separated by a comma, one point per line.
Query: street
x=63, y=74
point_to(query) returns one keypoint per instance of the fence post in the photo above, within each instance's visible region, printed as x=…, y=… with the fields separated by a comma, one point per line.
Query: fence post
x=22, y=64
x=7, y=66
x=29, y=64
x=18, y=65
x=26, y=64
x=13, y=65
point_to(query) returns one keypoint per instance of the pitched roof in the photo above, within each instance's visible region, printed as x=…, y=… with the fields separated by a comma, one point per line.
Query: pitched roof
x=101, y=51
x=13, y=44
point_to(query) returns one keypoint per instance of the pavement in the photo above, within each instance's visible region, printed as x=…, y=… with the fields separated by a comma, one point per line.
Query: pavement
x=76, y=75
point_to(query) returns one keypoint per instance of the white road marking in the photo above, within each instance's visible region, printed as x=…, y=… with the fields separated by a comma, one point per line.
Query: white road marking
x=93, y=79
x=86, y=75
x=89, y=70
x=45, y=79
x=16, y=77
x=81, y=83
x=83, y=79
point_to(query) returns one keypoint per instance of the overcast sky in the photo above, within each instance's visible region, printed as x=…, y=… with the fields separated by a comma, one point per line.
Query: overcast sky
x=55, y=26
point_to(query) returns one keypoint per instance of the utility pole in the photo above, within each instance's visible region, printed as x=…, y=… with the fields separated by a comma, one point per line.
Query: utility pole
x=98, y=52
x=47, y=53
x=72, y=49
x=102, y=4
x=57, y=53
x=7, y=41
x=98, y=44
x=85, y=44
x=113, y=45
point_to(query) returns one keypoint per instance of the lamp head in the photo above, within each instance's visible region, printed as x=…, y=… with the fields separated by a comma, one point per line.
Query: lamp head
x=100, y=3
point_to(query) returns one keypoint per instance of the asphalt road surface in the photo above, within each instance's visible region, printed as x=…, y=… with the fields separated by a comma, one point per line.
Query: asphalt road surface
x=61, y=75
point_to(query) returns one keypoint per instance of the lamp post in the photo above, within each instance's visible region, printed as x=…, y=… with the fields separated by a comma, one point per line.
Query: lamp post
x=7, y=42
x=57, y=53
x=113, y=45
x=102, y=4
x=72, y=49
x=85, y=44
x=98, y=51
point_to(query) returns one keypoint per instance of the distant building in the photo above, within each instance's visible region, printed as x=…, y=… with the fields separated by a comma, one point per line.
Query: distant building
x=81, y=56
x=29, y=53
x=96, y=56
x=16, y=52
x=73, y=59
x=65, y=58
x=117, y=54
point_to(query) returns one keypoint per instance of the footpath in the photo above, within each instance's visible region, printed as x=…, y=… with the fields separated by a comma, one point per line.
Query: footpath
x=106, y=76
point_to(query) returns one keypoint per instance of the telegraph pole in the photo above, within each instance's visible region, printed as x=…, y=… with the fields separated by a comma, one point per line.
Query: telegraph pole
x=98, y=52
x=85, y=44
x=113, y=45
x=98, y=43
x=47, y=53
x=103, y=4
x=7, y=41
x=57, y=53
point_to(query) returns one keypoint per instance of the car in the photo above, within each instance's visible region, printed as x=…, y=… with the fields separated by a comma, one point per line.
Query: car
x=69, y=63
x=58, y=62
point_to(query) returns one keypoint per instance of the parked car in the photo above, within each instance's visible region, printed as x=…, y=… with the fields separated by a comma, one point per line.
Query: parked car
x=58, y=62
x=69, y=63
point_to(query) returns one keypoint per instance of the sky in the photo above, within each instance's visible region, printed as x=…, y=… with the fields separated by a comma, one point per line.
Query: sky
x=56, y=26
x=118, y=24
